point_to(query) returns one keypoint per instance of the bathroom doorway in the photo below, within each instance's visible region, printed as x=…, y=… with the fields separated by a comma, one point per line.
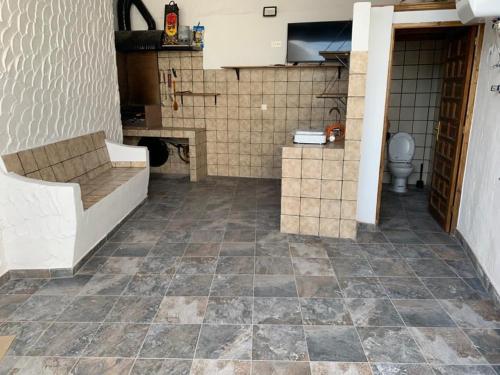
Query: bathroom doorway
x=432, y=82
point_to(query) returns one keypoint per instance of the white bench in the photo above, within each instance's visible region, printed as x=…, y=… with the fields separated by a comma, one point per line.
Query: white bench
x=60, y=200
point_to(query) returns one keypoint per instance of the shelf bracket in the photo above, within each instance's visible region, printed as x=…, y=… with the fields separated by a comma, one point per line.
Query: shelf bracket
x=237, y=70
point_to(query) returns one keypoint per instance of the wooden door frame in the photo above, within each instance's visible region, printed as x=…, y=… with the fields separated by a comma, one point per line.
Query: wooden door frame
x=457, y=192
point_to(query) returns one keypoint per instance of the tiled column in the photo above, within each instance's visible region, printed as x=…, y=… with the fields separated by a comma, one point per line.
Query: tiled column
x=354, y=127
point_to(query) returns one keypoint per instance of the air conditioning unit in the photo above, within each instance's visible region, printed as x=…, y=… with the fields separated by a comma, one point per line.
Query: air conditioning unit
x=477, y=11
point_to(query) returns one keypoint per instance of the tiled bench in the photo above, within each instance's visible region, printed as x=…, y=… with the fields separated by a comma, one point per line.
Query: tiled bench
x=60, y=200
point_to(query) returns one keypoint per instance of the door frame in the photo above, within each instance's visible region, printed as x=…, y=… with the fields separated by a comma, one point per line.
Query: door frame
x=457, y=191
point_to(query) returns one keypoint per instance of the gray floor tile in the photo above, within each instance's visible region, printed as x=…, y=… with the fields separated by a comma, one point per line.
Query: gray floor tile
x=446, y=346
x=464, y=370
x=403, y=237
x=319, y=368
x=281, y=367
x=399, y=369
x=225, y=342
x=161, y=367
x=239, y=235
x=182, y=310
x=277, y=311
x=190, y=285
x=41, y=308
x=385, y=267
x=237, y=249
x=199, y=265
x=88, y=309
x=449, y=252
x=134, y=309
x=37, y=365
x=202, y=250
x=64, y=340
x=232, y=285
x=102, y=284
x=117, y=340
x=463, y=268
x=423, y=313
x=170, y=341
x=373, y=313
x=22, y=286
x=325, y=311
x=26, y=335
x=352, y=267
x=450, y=288
x=389, y=345
x=312, y=267
x=487, y=342
x=272, y=249
x=213, y=366
x=10, y=302
x=318, y=286
x=235, y=265
x=122, y=265
x=133, y=250
x=163, y=265
x=371, y=237
x=284, y=343
x=430, y=268
x=273, y=266
x=308, y=250
x=418, y=251
x=274, y=286
x=473, y=314
x=362, y=287
x=66, y=286
x=148, y=285
x=337, y=344
x=204, y=236
x=229, y=310
x=379, y=250
x=90, y=366
x=165, y=249
x=405, y=288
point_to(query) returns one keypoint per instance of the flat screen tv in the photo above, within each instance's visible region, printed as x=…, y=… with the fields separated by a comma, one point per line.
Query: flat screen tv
x=306, y=40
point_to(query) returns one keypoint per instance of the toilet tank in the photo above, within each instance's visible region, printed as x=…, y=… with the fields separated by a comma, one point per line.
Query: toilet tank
x=476, y=11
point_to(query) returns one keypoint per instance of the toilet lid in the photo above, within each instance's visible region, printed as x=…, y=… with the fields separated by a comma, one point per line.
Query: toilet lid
x=401, y=147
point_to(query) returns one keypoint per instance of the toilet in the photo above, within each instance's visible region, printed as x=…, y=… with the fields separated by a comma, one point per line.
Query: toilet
x=401, y=152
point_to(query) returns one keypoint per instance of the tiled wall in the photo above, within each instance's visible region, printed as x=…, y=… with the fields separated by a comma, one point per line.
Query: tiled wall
x=242, y=139
x=415, y=98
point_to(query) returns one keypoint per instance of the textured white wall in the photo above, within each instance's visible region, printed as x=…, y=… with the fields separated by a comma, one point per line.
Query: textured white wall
x=57, y=72
x=480, y=207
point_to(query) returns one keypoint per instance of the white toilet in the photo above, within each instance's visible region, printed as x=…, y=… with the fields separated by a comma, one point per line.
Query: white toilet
x=401, y=152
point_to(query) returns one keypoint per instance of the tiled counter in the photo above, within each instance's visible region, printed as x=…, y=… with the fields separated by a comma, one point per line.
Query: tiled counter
x=319, y=191
x=197, y=145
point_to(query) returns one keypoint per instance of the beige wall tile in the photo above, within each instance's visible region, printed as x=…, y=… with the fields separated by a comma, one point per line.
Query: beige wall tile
x=358, y=62
x=351, y=170
x=330, y=208
x=348, y=210
x=309, y=207
x=357, y=83
x=312, y=153
x=332, y=170
x=331, y=189
x=13, y=164
x=329, y=227
x=310, y=188
x=28, y=161
x=41, y=158
x=290, y=224
x=292, y=168
x=348, y=229
x=333, y=154
x=355, y=107
x=311, y=168
x=352, y=150
x=349, y=190
x=290, y=187
x=354, y=129
x=290, y=206
x=309, y=225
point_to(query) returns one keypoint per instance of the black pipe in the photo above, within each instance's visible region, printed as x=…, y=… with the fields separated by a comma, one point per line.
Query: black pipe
x=123, y=12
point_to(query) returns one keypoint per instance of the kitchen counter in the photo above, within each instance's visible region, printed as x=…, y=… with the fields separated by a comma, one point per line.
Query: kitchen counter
x=318, y=190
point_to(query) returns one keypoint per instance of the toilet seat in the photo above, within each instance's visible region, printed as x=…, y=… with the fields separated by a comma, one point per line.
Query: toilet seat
x=401, y=148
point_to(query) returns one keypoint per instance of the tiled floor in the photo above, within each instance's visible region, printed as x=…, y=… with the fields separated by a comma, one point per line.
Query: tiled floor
x=200, y=281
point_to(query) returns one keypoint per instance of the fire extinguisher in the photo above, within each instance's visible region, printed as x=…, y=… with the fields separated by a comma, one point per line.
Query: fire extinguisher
x=171, y=22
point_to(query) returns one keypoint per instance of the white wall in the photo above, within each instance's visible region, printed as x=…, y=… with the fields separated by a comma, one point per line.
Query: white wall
x=236, y=32
x=57, y=72
x=373, y=124
x=381, y=23
x=480, y=207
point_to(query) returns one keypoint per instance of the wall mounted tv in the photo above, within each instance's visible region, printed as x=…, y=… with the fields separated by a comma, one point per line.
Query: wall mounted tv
x=306, y=40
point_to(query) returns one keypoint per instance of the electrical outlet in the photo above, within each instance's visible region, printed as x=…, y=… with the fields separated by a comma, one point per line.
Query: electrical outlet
x=263, y=107
x=276, y=44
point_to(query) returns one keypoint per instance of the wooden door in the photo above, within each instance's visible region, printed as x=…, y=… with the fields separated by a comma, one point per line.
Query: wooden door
x=458, y=63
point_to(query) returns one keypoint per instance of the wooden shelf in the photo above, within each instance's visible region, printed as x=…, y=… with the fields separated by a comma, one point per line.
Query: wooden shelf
x=179, y=47
x=182, y=94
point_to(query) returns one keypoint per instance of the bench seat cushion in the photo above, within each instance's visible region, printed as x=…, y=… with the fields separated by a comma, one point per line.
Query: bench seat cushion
x=95, y=189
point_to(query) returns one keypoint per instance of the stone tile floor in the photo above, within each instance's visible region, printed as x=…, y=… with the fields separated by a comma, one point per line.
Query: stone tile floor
x=200, y=281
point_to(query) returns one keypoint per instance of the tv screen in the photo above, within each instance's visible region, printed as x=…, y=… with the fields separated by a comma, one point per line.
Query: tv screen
x=306, y=40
